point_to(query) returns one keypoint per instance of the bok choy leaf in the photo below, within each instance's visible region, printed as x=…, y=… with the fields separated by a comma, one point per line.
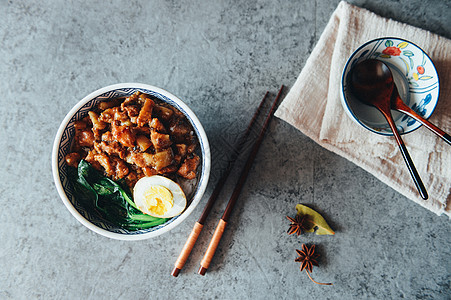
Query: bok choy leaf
x=109, y=199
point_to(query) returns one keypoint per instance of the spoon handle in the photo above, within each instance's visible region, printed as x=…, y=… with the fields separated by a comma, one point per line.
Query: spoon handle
x=413, y=172
x=399, y=105
x=405, y=154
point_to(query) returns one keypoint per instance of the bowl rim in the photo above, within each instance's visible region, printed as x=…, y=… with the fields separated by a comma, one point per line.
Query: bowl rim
x=203, y=182
x=343, y=96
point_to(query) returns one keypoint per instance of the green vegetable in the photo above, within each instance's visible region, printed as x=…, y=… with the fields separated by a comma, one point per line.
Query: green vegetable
x=109, y=199
x=317, y=221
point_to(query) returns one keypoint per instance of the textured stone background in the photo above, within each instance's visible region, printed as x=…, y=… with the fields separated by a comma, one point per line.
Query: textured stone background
x=220, y=57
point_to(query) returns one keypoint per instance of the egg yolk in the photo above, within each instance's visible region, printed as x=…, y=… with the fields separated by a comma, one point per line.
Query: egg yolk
x=158, y=199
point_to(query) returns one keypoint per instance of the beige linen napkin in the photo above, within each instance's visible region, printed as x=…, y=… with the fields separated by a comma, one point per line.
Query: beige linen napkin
x=313, y=106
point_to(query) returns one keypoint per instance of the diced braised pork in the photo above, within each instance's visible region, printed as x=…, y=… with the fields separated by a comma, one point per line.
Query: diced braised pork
x=108, y=104
x=107, y=136
x=189, y=167
x=79, y=125
x=107, y=115
x=111, y=148
x=163, y=158
x=121, y=169
x=191, y=147
x=72, y=159
x=123, y=135
x=85, y=138
x=121, y=116
x=181, y=149
x=169, y=169
x=142, y=159
x=132, y=110
x=143, y=142
x=97, y=124
x=145, y=114
x=163, y=112
x=148, y=171
x=156, y=125
x=113, y=166
x=105, y=162
x=159, y=140
x=180, y=131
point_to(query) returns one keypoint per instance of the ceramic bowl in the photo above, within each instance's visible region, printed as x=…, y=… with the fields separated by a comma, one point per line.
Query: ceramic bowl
x=62, y=145
x=415, y=77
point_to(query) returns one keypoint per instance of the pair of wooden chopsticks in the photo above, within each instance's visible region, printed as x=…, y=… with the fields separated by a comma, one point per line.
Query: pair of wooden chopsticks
x=205, y=263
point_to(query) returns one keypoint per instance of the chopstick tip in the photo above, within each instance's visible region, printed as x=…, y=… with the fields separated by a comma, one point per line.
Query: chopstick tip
x=175, y=272
x=202, y=271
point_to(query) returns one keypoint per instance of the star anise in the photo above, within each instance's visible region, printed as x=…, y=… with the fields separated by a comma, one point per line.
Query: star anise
x=299, y=224
x=307, y=257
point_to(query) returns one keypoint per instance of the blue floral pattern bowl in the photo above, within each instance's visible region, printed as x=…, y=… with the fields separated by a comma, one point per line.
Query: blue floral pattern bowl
x=415, y=77
x=63, y=142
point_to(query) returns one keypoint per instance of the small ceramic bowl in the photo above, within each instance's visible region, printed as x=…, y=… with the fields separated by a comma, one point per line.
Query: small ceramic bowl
x=415, y=77
x=63, y=142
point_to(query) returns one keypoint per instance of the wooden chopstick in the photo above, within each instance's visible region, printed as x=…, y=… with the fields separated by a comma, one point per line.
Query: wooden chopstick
x=205, y=263
x=192, y=238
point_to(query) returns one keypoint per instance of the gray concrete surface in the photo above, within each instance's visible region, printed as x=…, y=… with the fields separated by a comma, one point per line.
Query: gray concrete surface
x=220, y=57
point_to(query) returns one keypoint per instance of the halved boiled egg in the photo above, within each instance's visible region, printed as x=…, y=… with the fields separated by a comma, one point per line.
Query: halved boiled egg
x=159, y=196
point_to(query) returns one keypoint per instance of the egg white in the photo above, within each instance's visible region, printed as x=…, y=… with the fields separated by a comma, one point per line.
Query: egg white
x=145, y=183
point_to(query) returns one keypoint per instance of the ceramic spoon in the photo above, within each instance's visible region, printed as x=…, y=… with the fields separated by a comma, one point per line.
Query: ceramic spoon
x=372, y=85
